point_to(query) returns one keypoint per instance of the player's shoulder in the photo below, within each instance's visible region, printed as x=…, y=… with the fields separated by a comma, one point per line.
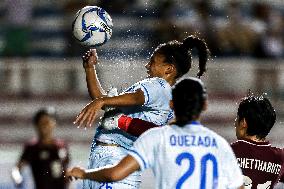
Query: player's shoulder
x=155, y=80
x=238, y=143
x=278, y=150
x=156, y=131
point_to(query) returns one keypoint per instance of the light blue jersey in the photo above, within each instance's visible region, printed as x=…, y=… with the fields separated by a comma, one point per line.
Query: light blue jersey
x=192, y=156
x=156, y=109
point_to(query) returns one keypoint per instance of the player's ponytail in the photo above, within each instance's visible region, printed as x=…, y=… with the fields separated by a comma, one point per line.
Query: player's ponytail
x=179, y=54
x=203, y=52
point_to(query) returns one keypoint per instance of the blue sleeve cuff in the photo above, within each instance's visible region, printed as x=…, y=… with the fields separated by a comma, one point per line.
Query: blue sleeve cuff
x=146, y=94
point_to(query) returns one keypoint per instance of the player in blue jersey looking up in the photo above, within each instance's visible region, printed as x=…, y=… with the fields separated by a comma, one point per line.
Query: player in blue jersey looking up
x=182, y=154
x=147, y=99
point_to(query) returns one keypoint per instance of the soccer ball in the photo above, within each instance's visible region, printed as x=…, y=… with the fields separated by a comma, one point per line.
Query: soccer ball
x=92, y=26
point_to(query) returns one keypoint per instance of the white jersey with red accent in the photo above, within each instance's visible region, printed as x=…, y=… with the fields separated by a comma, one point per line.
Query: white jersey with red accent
x=156, y=109
x=192, y=156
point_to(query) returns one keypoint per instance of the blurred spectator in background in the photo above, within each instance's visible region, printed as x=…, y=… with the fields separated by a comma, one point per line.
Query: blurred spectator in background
x=116, y=6
x=235, y=36
x=269, y=48
x=17, y=37
x=165, y=28
x=178, y=20
x=205, y=25
x=48, y=157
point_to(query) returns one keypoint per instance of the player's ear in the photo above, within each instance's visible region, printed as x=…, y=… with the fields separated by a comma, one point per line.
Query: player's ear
x=205, y=105
x=243, y=123
x=171, y=104
x=170, y=68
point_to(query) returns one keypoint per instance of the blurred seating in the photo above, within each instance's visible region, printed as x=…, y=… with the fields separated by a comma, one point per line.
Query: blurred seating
x=140, y=25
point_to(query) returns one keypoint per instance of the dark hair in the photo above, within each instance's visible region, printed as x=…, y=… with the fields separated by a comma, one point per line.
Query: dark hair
x=178, y=53
x=189, y=96
x=259, y=114
x=47, y=111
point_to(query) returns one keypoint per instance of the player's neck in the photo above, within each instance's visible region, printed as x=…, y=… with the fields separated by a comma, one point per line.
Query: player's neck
x=170, y=79
x=255, y=138
x=46, y=141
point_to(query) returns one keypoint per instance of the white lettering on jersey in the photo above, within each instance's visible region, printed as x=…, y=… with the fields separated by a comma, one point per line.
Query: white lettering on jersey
x=260, y=165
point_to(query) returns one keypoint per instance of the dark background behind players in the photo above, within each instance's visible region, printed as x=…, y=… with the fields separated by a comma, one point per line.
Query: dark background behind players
x=51, y=73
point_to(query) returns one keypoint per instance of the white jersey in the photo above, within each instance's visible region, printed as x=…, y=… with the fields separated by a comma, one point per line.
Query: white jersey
x=192, y=156
x=156, y=109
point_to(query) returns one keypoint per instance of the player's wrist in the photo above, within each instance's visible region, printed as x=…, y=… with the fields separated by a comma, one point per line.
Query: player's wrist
x=87, y=174
x=86, y=66
x=102, y=101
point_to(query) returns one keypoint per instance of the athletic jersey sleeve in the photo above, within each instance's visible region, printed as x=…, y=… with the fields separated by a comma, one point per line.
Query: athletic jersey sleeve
x=155, y=91
x=231, y=168
x=144, y=149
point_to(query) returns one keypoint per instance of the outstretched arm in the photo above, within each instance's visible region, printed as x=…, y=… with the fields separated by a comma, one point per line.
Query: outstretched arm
x=88, y=114
x=90, y=60
x=124, y=168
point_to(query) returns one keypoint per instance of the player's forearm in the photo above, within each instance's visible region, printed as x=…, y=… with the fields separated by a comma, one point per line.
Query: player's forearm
x=123, y=169
x=128, y=99
x=94, y=87
x=103, y=175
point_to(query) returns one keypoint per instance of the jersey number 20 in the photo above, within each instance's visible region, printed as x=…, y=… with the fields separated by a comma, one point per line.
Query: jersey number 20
x=203, y=165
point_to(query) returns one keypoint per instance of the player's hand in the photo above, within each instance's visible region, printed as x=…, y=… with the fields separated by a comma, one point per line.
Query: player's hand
x=90, y=58
x=88, y=115
x=75, y=173
x=17, y=177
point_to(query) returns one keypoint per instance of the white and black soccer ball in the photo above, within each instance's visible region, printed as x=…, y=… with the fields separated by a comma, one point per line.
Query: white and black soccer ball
x=92, y=26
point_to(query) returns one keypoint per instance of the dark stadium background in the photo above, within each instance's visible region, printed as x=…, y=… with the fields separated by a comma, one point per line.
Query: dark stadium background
x=44, y=67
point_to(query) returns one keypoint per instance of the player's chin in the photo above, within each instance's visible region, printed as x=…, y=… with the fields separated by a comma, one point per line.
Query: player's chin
x=149, y=75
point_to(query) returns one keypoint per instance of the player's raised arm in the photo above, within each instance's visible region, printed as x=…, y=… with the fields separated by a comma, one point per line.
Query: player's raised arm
x=87, y=116
x=95, y=89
